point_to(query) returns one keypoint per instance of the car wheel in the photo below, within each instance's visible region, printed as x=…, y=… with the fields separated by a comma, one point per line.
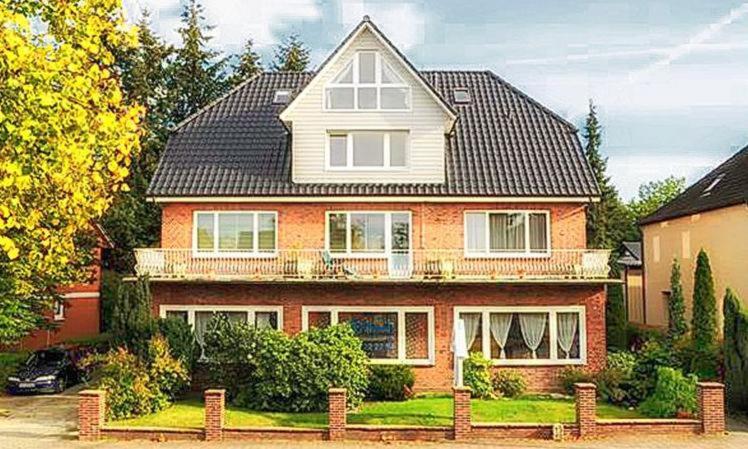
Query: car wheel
x=60, y=385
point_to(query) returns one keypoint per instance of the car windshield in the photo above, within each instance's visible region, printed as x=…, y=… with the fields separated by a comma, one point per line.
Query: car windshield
x=45, y=357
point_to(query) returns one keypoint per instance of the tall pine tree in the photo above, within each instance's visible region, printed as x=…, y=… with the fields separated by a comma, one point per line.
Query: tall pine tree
x=291, y=55
x=199, y=72
x=607, y=220
x=145, y=72
x=704, y=319
x=248, y=64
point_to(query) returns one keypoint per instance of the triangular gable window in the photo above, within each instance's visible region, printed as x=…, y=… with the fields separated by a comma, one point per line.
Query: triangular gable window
x=367, y=82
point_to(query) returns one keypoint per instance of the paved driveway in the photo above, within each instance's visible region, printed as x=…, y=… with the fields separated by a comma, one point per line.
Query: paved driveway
x=49, y=422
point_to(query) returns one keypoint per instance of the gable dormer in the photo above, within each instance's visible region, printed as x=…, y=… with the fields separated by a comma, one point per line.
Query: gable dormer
x=368, y=117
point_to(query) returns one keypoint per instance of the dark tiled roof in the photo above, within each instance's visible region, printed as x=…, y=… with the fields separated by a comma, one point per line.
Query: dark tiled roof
x=504, y=144
x=631, y=254
x=731, y=189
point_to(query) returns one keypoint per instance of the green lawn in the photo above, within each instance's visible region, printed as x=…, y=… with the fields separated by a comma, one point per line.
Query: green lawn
x=426, y=411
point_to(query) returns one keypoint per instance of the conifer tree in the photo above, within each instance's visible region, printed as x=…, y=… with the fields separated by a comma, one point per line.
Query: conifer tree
x=199, y=72
x=248, y=64
x=704, y=320
x=145, y=73
x=677, y=327
x=608, y=219
x=291, y=55
x=736, y=351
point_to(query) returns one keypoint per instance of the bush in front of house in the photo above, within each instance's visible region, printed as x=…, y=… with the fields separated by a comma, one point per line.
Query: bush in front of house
x=652, y=356
x=736, y=351
x=390, y=383
x=265, y=369
x=181, y=339
x=138, y=386
x=509, y=383
x=615, y=318
x=674, y=393
x=571, y=375
x=477, y=375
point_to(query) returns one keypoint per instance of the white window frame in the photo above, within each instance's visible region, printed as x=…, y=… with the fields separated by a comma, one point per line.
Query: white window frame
x=349, y=254
x=527, y=253
x=552, y=311
x=349, y=150
x=215, y=253
x=58, y=312
x=401, y=340
x=191, y=309
x=355, y=85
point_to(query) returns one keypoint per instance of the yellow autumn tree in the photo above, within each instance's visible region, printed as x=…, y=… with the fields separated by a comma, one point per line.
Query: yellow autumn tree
x=66, y=141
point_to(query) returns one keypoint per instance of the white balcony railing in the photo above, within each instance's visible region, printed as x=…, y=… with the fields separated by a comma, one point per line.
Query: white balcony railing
x=414, y=265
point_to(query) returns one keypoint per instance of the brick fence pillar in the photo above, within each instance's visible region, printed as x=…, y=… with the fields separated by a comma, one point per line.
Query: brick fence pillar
x=215, y=403
x=336, y=414
x=462, y=419
x=711, y=403
x=90, y=414
x=586, y=404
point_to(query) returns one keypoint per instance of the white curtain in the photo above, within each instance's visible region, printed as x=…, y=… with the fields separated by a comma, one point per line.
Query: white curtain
x=472, y=323
x=500, y=324
x=567, y=330
x=533, y=328
x=476, y=231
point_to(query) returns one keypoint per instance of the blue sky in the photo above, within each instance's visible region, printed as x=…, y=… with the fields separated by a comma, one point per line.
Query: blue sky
x=670, y=77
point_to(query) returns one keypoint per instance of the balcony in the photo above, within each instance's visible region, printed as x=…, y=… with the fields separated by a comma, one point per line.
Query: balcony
x=314, y=265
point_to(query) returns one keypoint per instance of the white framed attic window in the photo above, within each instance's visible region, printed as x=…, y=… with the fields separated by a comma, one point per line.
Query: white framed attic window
x=367, y=150
x=367, y=83
x=281, y=96
x=235, y=233
x=507, y=233
x=526, y=335
x=461, y=95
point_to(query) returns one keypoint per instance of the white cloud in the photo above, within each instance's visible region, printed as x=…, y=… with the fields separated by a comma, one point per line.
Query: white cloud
x=402, y=22
x=234, y=20
x=628, y=172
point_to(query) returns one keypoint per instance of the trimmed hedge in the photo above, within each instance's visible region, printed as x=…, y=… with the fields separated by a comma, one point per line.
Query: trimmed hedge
x=390, y=382
x=736, y=351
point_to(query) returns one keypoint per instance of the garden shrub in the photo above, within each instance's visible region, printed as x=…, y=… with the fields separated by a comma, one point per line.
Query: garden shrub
x=509, y=383
x=677, y=327
x=614, y=382
x=652, y=356
x=265, y=369
x=477, y=375
x=390, y=382
x=673, y=393
x=571, y=375
x=736, y=351
x=138, y=386
x=638, y=335
x=181, y=339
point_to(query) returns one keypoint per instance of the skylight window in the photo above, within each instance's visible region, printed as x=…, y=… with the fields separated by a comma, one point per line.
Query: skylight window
x=712, y=184
x=281, y=96
x=461, y=95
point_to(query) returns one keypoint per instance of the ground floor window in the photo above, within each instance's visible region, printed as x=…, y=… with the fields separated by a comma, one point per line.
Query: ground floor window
x=199, y=316
x=526, y=335
x=388, y=334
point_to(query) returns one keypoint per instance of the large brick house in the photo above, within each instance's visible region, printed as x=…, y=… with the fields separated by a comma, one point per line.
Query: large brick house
x=394, y=199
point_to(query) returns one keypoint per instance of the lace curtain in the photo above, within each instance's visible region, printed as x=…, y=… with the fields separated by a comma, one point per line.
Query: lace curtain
x=472, y=323
x=567, y=330
x=500, y=324
x=533, y=329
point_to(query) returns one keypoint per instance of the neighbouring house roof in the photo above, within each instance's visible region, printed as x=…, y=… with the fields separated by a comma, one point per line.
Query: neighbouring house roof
x=631, y=254
x=503, y=144
x=726, y=185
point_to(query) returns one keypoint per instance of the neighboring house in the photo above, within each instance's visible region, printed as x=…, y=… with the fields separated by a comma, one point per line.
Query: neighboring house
x=78, y=315
x=630, y=261
x=711, y=214
x=394, y=199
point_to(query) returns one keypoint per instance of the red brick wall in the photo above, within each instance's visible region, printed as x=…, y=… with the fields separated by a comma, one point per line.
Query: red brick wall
x=435, y=225
x=82, y=315
x=441, y=297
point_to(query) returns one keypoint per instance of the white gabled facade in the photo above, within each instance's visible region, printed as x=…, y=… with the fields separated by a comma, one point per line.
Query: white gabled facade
x=422, y=125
